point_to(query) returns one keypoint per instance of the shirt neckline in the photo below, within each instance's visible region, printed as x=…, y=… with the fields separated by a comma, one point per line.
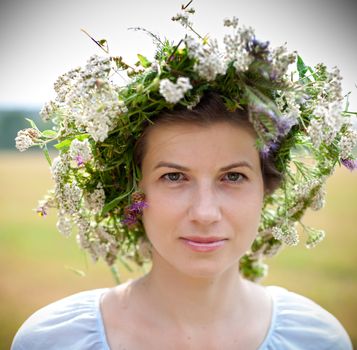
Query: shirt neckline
x=266, y=341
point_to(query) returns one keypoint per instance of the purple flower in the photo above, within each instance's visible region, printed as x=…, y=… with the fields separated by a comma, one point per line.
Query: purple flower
x=269, y=148
x=284, y=124
x=133, y=212
x=350, y=164
x=80, y=160
x=41, y=211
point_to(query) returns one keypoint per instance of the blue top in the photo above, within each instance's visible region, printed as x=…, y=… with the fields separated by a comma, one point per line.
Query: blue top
x=75, y=323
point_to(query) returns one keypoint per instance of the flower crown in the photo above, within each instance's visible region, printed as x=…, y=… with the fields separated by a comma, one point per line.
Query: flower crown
x=296, y=110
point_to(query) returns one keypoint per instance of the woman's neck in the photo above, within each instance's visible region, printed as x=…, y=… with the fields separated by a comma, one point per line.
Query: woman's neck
x=187, y=300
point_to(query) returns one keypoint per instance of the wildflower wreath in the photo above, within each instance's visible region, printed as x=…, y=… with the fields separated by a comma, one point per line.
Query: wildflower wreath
x=297, y=111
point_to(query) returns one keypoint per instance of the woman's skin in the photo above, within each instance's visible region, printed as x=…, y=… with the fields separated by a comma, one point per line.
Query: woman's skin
x=204, y=189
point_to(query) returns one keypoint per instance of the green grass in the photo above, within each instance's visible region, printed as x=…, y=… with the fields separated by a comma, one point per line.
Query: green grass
x=38, y=265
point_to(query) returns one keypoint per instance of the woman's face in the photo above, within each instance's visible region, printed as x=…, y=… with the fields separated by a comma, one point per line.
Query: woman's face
x=204, y=189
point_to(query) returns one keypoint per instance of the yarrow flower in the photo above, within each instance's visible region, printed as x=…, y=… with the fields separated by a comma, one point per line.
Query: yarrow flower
x=326, y=124
x=64, y=224
x=347, y=143
x=238, y=45
x=209, y=61
x=95, y=200
x=26, y=138
x=183, y=16
x=281, y=59
x=286, y=233
x=172, y=92
x=80, y=152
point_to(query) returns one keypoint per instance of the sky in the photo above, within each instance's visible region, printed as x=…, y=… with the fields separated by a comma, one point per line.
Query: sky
x=41, y=39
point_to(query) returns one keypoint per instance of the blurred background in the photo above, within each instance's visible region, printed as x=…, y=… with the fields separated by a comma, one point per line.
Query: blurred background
x=41, y=39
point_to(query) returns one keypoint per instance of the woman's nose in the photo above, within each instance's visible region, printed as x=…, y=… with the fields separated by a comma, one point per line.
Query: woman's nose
x=204, y=207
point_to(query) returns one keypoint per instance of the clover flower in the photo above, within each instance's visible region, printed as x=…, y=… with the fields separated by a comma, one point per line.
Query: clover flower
x=26, y=138
x=172, y=92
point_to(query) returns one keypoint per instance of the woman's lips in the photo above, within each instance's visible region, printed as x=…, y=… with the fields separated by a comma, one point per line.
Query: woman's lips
x=204, y=244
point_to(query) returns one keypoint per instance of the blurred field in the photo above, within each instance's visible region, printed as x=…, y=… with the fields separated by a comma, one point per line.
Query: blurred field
x=37, y=264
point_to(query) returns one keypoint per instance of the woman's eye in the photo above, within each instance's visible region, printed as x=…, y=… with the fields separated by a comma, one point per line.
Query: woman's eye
x=173, y=177
x=234, y=177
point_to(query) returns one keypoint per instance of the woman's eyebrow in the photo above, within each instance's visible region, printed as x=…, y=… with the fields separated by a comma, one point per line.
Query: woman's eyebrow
x=238, y=165
x=170, y=165
x=183, y=168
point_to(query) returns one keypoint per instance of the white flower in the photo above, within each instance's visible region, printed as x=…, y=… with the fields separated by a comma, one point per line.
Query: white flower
x=71, y=197
x=303, y=189
x=64, y=224
x=26, y=138
x=80, y=151
x=281, y=59
x=174, y=92
x=286, y=233
x=231, y=22
x=236, y=48
x=48, y=111
x=318, y=201
x=327, y=122
x=209, y=61
x=95, y=200
x=347, y=143
x=183, y=18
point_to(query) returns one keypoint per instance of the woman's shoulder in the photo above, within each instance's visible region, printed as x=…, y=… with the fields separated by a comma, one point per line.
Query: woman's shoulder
x=300, y=323
x=70, y=323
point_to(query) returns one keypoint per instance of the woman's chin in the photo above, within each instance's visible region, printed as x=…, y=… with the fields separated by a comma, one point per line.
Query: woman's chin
x=206, y=269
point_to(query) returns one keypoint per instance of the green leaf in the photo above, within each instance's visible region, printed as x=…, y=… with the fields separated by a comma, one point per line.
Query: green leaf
x=63, y=145
x=50, y=134
x=47, y=155
x=301, y=67
x=109, y=206
x=32, y=123
x=144, y=61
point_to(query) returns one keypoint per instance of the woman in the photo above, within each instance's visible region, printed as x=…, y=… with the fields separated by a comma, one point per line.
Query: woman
x=201, y=144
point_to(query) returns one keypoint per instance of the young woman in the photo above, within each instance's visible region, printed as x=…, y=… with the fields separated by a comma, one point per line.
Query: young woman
x=203, y=206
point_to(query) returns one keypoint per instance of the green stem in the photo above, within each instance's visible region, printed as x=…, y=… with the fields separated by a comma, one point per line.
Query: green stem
x=115, y=274
x=47, y=155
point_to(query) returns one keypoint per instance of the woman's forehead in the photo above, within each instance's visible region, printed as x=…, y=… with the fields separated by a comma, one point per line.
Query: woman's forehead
x=191, y=143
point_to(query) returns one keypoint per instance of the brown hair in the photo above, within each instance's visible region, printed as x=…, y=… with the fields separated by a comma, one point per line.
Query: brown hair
x=210, y=110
